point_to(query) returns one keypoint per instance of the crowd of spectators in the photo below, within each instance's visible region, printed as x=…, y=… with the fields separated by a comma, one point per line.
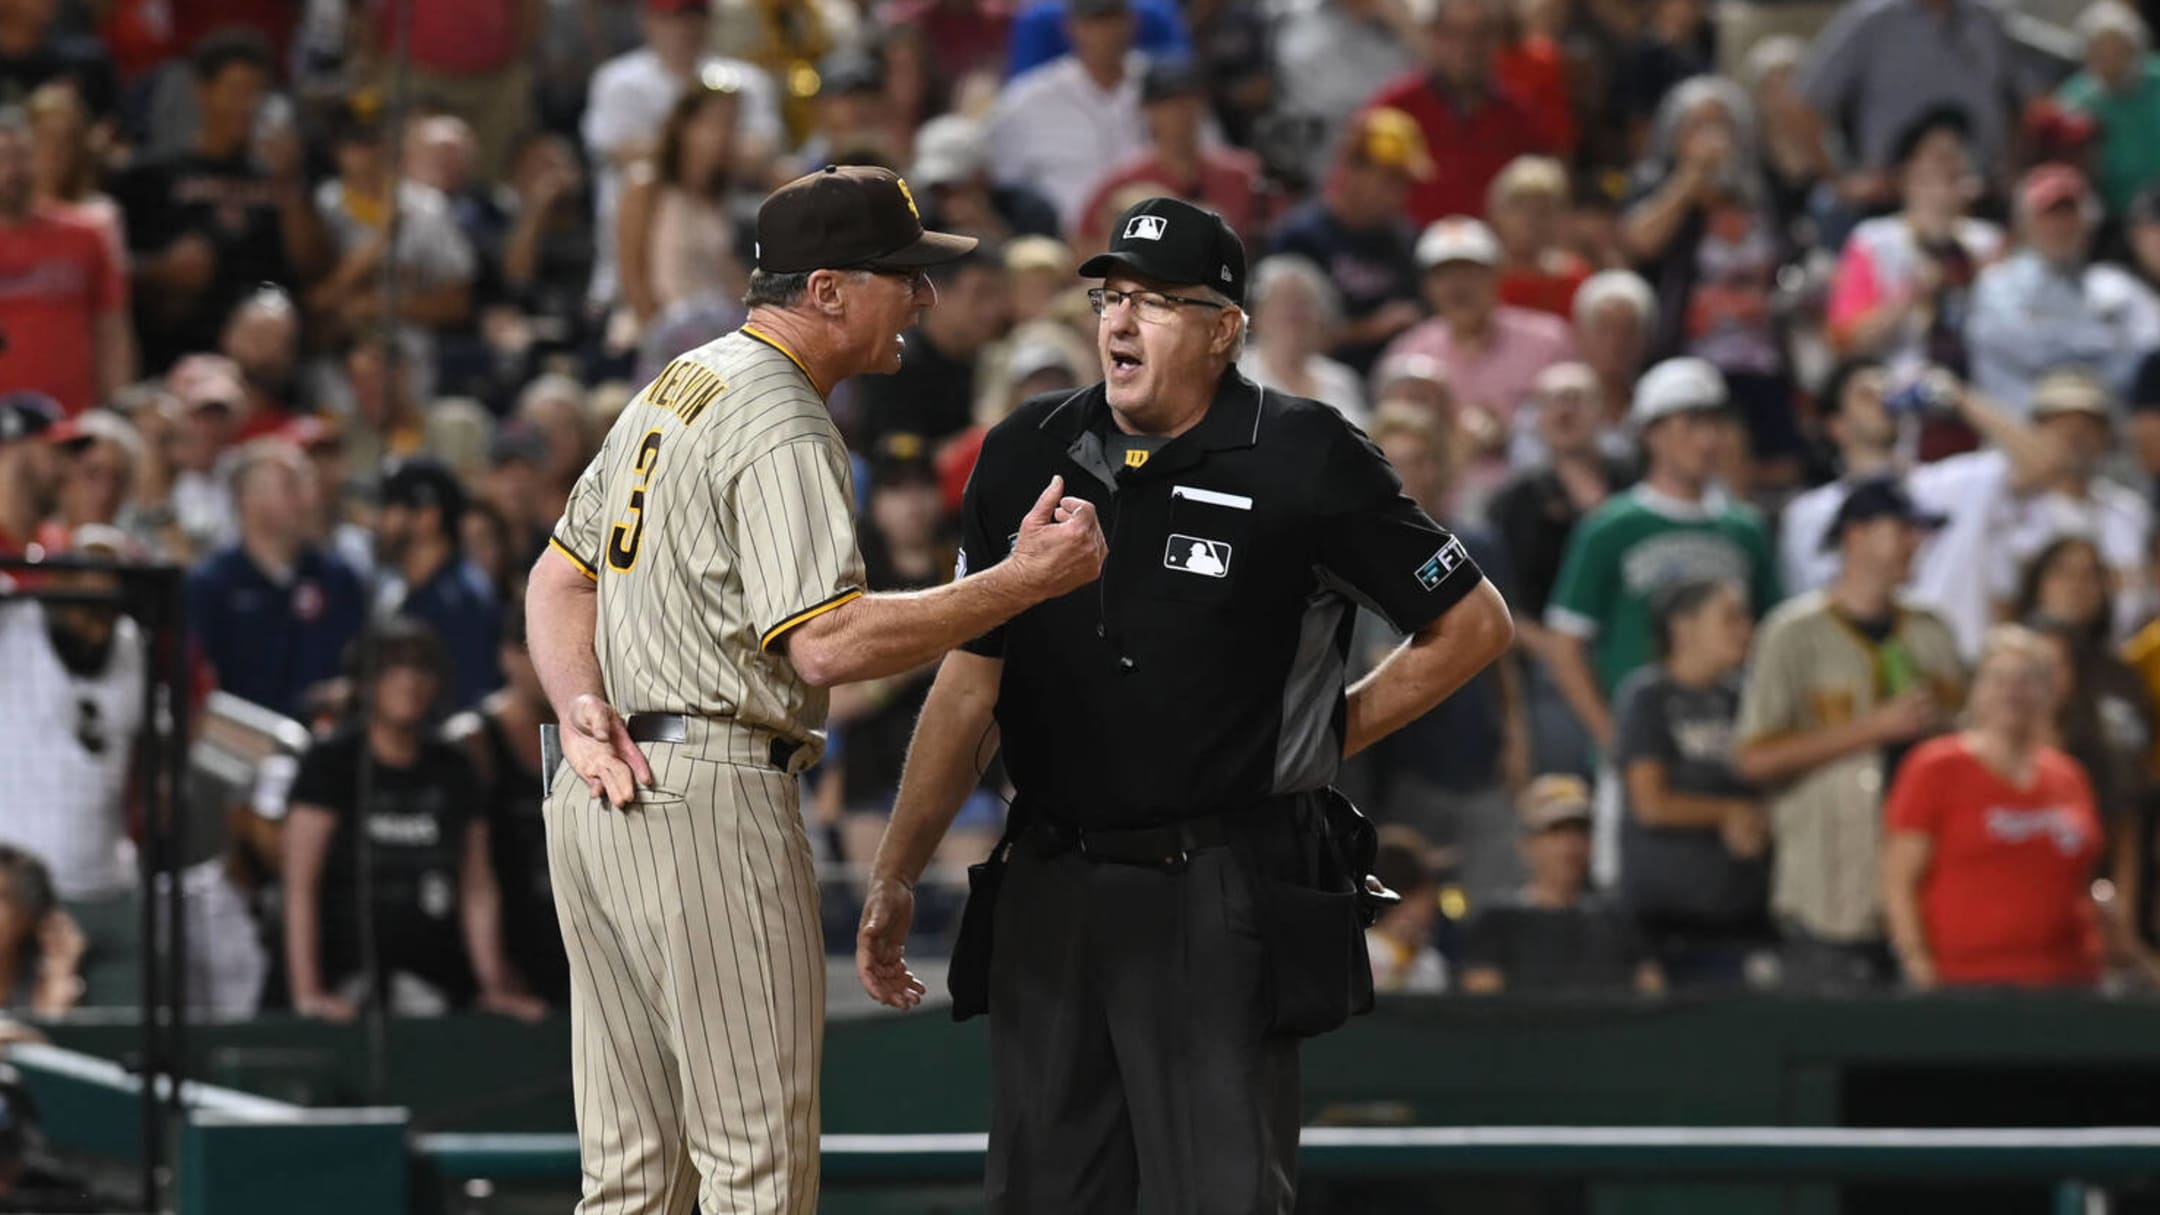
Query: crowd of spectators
x=1798, y=385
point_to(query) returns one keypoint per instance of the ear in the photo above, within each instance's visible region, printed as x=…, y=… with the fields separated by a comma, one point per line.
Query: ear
x=825, y=292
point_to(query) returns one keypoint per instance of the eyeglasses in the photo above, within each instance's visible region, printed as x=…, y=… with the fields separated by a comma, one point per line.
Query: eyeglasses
x=917, y=280
x=1153, y=307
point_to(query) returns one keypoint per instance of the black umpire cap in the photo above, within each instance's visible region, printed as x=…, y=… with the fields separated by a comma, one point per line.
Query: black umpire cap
x=1172, y=241
x=848, y=217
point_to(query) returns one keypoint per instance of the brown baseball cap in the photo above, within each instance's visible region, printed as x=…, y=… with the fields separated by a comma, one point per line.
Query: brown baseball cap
x=848, y=217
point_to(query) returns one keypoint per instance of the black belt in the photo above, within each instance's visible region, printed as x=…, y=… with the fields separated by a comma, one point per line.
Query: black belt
x=675, y=728
x=1168, y=847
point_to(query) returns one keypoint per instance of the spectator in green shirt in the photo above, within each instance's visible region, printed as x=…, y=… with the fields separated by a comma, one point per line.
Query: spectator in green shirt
x=2120, y=89
x=1674, y=526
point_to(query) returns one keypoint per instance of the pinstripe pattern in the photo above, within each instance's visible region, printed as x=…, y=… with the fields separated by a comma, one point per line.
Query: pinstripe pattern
x=697, y=969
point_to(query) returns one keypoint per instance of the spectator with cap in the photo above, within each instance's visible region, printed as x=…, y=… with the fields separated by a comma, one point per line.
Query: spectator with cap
x=1555, y=935
x=432, y=258
x=99, y=455
x=426, y=576
x=932, y=396
x=630, y=97
x=27, y=466
x=1042, y=32
x=272, y=614
x=1674, y=524
x=206, y=395
x=1880, y=64
x=1294, y=313
x=1527, y=207
x=1846, y=680
x=1354, y=230
x=1534, y=514
x=1057, y=130
x=2120, y=88
x=1992, y=838
x=64, y=317
x=1701, y=229
x=1616, y=318
x=1694, y=840
x=333, y=524
x=1871, y=419
x=207, y=225
x=1400, y=942
x=1178, y=161
x=952, y=184
x=1473, y=125
x=1904, y=281
x=853, y=112
x=675, y=235
x=2075, y=413
x=2048, y=305
x=430, y=889
x=70, y=720
x=1493, y=353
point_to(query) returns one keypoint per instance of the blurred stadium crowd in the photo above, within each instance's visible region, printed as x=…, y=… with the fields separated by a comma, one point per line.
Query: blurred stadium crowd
x=1791, y=367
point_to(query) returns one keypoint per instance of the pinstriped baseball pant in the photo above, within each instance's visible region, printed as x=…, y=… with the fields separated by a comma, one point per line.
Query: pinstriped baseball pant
x=697, y=987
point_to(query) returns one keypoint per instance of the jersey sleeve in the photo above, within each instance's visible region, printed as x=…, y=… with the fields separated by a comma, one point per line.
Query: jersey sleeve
x=1916, y=796
x=1382, y=546
x=980, y=548
x=792, y=516
x=1641, y=725
x=1770, y=701
x=1582, y=595
x=578, y=533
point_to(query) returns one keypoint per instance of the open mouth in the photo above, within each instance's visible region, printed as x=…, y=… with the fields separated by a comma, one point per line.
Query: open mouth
x=1124, y=362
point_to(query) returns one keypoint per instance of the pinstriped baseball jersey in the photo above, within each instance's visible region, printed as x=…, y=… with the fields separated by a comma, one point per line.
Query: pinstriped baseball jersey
x=717, y=516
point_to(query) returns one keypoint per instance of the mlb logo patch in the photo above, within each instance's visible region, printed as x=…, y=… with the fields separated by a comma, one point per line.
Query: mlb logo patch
x=1145, y=227
x=1195, y=555
x=1438, y=566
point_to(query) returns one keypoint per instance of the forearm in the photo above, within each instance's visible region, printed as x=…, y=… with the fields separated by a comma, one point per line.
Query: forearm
x=953, y=739
x=1868, y=332
x=887, y=634
x=521, y=254
x=1669, y=809
x=303, y=924
x=115, y=341
x=1427, y=669
x=1569, y=663
x=1901, y=899
x=482, y=916
x=307, y=247
x=1654, y=222
x=562, y=609
x=2033, y=458
x=1779, y=759
x=438, y=307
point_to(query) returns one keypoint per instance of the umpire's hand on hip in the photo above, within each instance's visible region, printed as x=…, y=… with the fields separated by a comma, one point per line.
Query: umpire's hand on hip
x=1061, y=545
x=599, y=749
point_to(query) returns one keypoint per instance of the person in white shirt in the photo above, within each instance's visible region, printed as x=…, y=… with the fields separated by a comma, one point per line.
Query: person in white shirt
x=629, y=102
x=1294, y=316
x=1059, y=128
x=1952, y=572
x=2077, y=414
x=71, y=707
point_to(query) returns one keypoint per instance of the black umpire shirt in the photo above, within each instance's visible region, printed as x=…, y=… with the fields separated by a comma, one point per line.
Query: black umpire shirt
x=1204, y=671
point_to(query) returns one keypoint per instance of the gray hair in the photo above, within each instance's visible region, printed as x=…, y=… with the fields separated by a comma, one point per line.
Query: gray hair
x=1693, y=94
x=2113, y=17
x=1273, y=272
x=553, y=386
x=768, y=290
x=1771, y=55
x=1616, y=287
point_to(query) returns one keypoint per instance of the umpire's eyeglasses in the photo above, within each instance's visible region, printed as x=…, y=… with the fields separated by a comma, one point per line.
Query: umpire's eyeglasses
x=1152, y=307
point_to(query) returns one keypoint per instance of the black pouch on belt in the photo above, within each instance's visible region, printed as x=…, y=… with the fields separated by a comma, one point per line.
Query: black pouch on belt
x=1312, y=911
x=967, y=976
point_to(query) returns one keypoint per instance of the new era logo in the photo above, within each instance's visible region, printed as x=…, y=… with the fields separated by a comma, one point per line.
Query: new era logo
x=1438, y=566
x=1193, y=555
x=1145, y=227
x=1225, y=274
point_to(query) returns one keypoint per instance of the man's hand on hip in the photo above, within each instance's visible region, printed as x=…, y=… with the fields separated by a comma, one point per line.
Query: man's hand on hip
x=598, y=746
x=1061, y=546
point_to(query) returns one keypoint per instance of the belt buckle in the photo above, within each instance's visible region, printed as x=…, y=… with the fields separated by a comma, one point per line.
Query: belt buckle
x=1178, y=863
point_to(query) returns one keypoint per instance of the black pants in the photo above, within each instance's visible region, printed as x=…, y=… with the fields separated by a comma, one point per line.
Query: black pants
x=1131, y=1074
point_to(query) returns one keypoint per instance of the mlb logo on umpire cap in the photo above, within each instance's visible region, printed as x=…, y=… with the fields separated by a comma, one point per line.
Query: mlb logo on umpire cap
x=1438, y=566
x=1145, y=227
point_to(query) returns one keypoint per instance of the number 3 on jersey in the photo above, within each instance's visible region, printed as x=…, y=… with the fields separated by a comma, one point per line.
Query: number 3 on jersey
x=626, y=536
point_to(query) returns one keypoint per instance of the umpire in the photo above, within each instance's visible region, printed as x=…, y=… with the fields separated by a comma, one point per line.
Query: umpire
x=1172, y=732
x=700, y=592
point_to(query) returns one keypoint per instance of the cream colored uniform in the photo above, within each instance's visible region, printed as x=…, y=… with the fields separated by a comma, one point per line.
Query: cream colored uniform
x=717, y=516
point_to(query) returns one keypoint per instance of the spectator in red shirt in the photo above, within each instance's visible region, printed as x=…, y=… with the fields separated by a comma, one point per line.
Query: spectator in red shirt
x=63, y=294
x=1528, y=212
x=1993, y=837
x=470, y=59
x=970, y=35
x=1473, y=125
x=262, y=338
x=1227, y=181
